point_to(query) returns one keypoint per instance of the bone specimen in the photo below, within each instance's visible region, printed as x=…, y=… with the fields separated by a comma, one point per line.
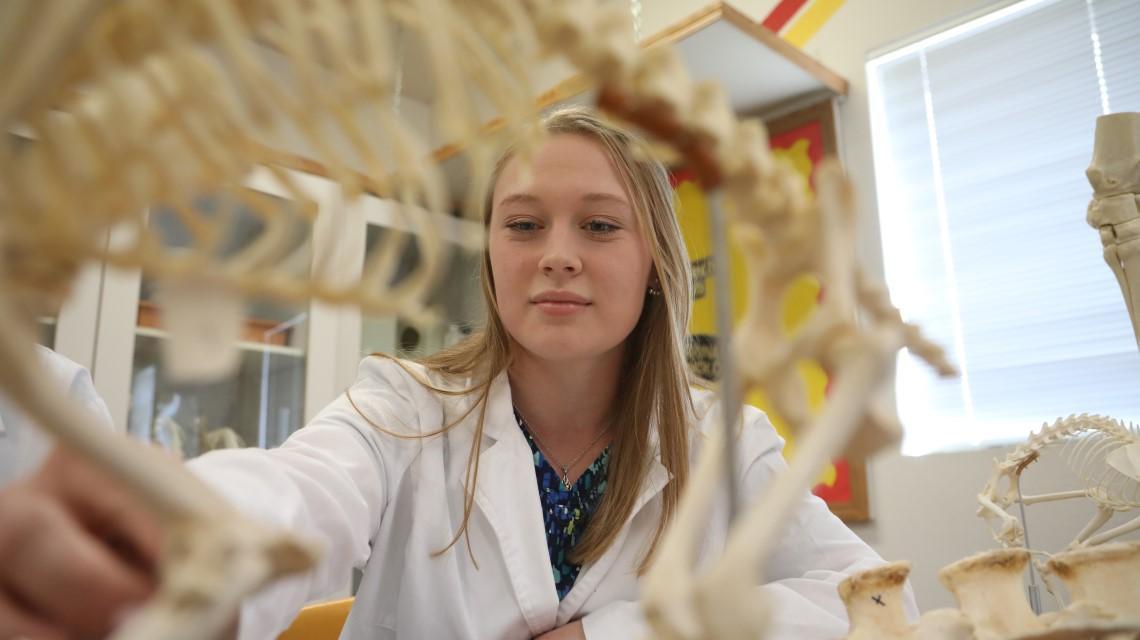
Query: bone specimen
x=784, y=238
x=1115, y=207
x=1103, y=454
x=146, y=102
x=874, y=606
x=1103, y=579
x=988, y=588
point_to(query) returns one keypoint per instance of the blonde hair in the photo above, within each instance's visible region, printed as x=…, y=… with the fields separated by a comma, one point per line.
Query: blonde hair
x=655, y=374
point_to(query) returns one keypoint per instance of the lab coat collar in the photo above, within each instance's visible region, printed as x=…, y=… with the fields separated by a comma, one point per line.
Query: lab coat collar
x=500, y=421
x=507, y=494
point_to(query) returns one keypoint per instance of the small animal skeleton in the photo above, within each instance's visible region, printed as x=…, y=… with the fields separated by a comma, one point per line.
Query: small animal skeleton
x=1104, y=454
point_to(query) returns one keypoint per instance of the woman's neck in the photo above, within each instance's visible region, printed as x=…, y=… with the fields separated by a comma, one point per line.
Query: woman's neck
x=566, y=401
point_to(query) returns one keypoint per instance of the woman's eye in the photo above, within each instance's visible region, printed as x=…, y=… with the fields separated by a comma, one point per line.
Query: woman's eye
x=522, y=225
x=600, y=226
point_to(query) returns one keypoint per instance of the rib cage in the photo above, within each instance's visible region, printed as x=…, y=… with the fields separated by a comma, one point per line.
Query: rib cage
x=1085, y=442
x=1086, y=452
x=186, y=108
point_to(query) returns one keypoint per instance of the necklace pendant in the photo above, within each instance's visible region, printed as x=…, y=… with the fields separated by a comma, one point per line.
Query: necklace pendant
x=566, y=478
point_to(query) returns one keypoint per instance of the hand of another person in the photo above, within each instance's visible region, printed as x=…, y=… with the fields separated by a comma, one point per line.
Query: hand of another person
x=570, y=631
x=77, y=552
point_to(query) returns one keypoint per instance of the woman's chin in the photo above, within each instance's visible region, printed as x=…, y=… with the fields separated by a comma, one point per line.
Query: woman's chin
x=568, y=349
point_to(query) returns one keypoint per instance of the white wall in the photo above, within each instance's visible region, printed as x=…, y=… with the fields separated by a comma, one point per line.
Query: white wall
x=923, y=508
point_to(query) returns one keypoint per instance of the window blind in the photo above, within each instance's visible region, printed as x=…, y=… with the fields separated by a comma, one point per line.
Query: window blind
x=981, y=138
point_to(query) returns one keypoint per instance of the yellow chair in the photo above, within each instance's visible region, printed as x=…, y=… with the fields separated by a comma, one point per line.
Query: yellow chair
x=321, y=621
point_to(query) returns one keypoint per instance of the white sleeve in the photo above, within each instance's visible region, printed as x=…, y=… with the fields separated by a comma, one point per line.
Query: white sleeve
x=621, y=619
x=816, y=552
x=82, y=389
x=327, y=482
x=23, y=446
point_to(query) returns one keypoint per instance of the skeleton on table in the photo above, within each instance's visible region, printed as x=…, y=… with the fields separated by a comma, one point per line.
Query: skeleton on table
x=1103, y=453
x=148, y=102
x=1102, y=576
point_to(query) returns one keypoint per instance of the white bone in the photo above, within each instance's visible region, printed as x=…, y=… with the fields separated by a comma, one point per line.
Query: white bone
x=989, y=590
x=817, y=240
x=1126, y=460
x=874, y=598
x=1107, y=576
x=1115, y=177
x=205, y=322
x=874, y=602
x=1086, y=442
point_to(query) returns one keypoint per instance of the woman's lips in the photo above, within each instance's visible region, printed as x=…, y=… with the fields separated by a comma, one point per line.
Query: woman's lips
x=560, y=308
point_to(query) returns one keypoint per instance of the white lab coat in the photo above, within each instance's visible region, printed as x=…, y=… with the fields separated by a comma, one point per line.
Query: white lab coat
x=386, y=504
x=23, y=445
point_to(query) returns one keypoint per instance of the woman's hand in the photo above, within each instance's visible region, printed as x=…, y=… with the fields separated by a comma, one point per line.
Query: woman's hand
x=571, y=631
x=77, y=552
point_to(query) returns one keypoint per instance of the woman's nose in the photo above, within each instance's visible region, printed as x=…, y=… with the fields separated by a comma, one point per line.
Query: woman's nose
x=559, y=257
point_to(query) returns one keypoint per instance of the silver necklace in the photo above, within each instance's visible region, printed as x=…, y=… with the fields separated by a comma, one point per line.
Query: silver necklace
x=545, y=449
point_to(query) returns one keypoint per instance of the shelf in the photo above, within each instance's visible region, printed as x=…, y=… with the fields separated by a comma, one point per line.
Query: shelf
x=244, y=345
x=758, y=69
x=770, y=71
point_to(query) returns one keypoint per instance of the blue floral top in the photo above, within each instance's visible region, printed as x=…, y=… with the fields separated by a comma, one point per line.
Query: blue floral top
x=565, y=512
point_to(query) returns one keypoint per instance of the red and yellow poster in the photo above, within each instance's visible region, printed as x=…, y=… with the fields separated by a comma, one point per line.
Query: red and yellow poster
x=801, y=140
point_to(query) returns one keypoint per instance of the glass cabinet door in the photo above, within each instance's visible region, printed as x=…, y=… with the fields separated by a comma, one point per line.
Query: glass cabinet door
x=456, y=297
x=263, y=401
x=268, y=396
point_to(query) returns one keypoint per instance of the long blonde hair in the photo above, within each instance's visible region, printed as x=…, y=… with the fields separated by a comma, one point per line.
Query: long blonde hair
x=655, y=387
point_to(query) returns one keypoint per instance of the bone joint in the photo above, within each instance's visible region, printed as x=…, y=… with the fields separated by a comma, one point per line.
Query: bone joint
x=1115, y=207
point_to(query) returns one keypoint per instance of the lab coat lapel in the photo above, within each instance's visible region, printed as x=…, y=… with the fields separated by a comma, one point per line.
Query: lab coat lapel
x=592, y=574
x=507, y=494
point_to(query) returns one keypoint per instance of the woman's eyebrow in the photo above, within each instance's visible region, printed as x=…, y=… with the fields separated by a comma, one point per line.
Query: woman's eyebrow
x=604, y=197
x=519, y=198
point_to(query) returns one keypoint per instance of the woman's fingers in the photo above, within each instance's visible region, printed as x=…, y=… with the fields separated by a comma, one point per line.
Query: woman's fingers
x=104, y=507
x=17, y=622
x=59, y=570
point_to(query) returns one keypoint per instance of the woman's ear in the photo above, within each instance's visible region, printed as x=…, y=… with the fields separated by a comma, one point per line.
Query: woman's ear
x=654, y=286
x=654, y=280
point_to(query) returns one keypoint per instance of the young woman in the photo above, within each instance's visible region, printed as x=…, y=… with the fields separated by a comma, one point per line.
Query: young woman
x=515, y=485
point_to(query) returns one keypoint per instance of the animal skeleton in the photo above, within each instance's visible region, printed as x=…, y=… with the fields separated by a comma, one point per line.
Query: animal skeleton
x=1104, y=453
x=111, y=92
x=781, y=242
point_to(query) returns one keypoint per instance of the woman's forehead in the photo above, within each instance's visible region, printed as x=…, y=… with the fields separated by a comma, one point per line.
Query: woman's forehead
x=565, y=164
